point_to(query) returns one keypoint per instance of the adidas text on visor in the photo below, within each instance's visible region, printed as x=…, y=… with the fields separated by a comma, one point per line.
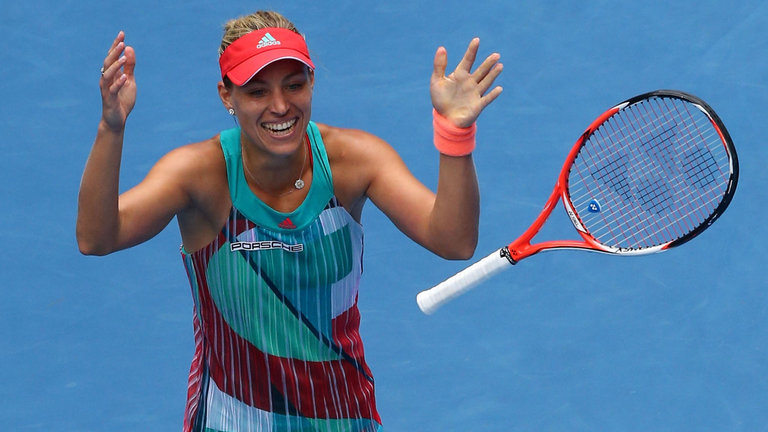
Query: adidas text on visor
x=250, y=53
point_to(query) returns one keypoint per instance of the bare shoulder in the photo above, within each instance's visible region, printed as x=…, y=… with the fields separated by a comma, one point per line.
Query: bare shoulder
x=358, y=160
x=198, y=157
x=197, y=170
x=342, y=143
x=354, y=151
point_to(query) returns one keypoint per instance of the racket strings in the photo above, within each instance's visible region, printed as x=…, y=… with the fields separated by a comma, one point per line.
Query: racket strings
x=648, y=191
x=677, y=232
x=650, y=174
x=654, y=194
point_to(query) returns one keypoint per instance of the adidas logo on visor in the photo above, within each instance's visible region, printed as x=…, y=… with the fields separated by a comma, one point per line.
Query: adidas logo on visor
x=267, y=40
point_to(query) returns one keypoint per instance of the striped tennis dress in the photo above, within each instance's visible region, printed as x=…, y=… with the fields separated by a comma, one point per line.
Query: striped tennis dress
x=277, y=342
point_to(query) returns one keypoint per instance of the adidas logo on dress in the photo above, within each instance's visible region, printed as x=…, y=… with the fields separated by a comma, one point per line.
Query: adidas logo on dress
x=287, y=224
x=267, y=40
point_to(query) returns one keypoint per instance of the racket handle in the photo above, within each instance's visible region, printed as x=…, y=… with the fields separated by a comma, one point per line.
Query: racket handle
x=430, y=300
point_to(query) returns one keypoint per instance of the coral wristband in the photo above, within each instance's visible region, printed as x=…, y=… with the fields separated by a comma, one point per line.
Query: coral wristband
x=452, y=140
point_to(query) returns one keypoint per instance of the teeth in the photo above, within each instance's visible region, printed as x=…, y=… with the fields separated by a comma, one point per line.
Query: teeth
x=279, y=127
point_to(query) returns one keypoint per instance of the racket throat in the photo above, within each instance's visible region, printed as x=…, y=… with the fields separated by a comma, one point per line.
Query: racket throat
x=504, y=252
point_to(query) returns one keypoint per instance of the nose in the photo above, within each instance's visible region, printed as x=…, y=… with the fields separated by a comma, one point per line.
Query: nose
x=279, y=103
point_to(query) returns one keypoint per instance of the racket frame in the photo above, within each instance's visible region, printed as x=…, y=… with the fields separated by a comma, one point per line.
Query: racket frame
x=432, y=299
x=522, y=248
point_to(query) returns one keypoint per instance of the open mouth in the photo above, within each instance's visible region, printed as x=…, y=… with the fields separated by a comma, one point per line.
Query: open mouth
x=280, y=129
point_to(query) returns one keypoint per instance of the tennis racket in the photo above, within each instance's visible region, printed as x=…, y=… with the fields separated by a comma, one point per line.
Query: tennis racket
x=647, y=175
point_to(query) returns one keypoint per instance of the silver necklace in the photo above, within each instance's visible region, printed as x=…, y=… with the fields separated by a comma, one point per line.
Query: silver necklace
x=297, y=185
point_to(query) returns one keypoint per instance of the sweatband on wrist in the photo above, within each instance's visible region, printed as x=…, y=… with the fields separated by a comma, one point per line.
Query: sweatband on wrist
x=452, y=140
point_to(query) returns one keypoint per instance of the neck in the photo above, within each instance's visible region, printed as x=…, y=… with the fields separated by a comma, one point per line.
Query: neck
x=276, y=177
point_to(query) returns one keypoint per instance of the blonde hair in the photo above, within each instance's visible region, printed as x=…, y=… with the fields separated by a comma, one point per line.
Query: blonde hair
x=237, y=27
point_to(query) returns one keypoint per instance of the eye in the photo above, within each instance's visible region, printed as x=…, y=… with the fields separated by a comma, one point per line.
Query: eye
x=257, y=92
x=295, y=86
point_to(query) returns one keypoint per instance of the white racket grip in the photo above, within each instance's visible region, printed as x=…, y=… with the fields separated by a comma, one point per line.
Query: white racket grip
x=430, y=300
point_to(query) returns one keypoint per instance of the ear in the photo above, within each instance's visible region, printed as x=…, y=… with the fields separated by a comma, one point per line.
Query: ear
x=225, y=95
x=311, y=73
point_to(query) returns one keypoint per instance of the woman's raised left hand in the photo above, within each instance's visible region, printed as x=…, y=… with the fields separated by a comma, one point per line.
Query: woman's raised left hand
x=463, y=94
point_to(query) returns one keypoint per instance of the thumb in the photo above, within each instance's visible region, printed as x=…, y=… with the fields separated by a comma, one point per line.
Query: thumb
x=130, y=61
x=441, y=61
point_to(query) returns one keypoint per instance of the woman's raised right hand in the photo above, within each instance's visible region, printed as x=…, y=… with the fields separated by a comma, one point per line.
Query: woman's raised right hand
x=118, y=84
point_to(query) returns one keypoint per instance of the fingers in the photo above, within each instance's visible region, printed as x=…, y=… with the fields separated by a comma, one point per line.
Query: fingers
x=490, y=72
x=486, y=74
x=482, y=71
x=115, y=50
x=469, y=56
x=119, y=38
x=490, y=97
x=118, y=63
x=488, y=65
x=113, y=76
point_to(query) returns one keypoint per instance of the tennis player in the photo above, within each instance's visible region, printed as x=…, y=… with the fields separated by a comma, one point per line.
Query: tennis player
x=269, y=214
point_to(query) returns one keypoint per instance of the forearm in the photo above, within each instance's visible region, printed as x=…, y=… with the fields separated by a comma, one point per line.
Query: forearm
x=454, y=217
x=98, y=214
x=458, y=98
x=453, y=227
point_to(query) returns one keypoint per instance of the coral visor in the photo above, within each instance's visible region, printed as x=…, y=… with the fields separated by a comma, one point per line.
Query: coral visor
x=250, y=53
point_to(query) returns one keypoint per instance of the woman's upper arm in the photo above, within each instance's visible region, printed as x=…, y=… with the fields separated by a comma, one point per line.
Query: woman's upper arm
x=393, y=188
x=147, y=208
x=444, y=222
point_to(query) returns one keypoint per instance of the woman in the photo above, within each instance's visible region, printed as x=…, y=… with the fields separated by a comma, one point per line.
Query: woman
x=269, y=214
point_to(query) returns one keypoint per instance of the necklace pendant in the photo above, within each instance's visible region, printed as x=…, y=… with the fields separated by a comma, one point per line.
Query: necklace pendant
x=299, y=184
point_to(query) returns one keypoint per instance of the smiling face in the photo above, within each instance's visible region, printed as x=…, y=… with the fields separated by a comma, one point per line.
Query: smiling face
x=274, y=108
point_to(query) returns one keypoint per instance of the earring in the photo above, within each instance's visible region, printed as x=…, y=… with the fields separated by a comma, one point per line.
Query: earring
x=231, y=111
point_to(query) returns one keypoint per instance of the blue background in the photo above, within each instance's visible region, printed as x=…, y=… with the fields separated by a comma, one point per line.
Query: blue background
x=564, y=341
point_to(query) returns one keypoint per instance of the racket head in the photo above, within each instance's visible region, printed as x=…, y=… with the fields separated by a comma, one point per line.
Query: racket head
x=649, y=174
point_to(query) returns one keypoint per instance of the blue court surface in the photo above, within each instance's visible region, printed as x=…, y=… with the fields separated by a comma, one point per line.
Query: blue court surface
x=566, y=341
